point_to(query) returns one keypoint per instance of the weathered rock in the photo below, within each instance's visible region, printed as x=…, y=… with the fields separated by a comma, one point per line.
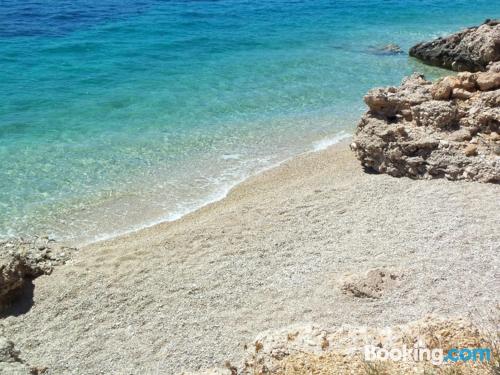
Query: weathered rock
x=372, y=284
x=461, y=135
x=394, y=101
x=488, y=81
x=390, y=49
x=435, y=113
x=467, y=80
x=441, y=92
x=461, y=94
x=469, y=50
x=407, y=132
x=273, y=352
x=22, y=261
x=470, y=150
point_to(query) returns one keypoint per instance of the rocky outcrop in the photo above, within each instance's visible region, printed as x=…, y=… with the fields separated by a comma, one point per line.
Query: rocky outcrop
x=469, y=50
x=23, y=260
x=314, y=349
x=339, y=350
x=447, y=129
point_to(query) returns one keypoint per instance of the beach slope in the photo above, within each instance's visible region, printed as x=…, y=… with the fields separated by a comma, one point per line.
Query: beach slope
x=291, y=245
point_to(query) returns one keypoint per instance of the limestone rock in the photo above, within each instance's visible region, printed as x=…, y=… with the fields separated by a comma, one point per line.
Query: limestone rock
x=435, y=113
x=462, y=94
x=273, y=351
x=488, y=81
x=470, y=150
x=424, y=130
x=469, y=50
x=23, y=260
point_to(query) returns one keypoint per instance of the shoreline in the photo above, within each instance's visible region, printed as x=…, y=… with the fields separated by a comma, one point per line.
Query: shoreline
x=186, y=295
x=344, y=141
x=317, y=146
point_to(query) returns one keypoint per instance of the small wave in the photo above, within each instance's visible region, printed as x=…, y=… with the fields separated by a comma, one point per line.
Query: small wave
x=231, y=157
x=220, y=193
x=327, y=142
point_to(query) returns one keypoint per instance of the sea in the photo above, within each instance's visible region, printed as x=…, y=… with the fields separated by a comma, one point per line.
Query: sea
x=116, y=115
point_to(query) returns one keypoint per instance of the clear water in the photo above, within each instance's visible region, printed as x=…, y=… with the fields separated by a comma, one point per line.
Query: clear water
x=118, y=114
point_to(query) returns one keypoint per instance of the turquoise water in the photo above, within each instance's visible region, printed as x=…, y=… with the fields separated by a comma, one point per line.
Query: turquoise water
x=114, y=116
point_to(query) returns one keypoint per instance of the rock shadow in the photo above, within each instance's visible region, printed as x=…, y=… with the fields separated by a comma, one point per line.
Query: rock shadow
x=20, y=301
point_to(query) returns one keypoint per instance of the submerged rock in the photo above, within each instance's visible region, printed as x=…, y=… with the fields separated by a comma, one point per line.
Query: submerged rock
x=390, y=49
x=469, y=50
x=431, y=130
x=23, y=260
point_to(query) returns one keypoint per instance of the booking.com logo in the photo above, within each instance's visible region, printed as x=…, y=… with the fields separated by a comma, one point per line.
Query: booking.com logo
x=421, y=353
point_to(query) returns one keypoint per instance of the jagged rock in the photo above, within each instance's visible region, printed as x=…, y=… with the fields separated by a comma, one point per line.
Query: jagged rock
x=23, y=260
x=469, y=50
x=393, y=101
x=424, y=130
x=435, y=113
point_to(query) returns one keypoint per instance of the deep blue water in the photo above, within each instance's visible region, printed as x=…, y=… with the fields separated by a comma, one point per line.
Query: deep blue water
x=115, y=114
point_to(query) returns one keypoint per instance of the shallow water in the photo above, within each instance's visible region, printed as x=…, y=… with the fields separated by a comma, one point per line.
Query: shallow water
x=116, y=116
